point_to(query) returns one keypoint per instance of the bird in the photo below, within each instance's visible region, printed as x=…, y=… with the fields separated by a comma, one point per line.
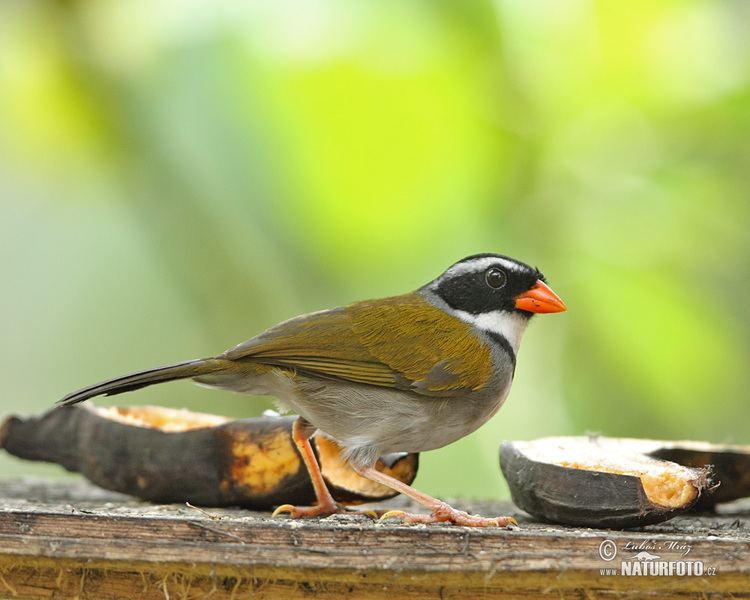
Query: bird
x=406, y=373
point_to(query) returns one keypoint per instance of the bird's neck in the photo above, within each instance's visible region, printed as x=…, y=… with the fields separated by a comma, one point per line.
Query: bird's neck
x=510, y=325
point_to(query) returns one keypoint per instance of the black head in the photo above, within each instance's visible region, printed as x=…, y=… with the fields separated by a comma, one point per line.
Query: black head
x=485, y=283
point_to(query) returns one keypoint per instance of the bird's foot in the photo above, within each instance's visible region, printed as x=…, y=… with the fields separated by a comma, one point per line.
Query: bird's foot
x=319, y=510
x=444, y=513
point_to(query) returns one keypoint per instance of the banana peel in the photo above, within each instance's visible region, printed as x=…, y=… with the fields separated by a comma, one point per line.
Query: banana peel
x=165, y=455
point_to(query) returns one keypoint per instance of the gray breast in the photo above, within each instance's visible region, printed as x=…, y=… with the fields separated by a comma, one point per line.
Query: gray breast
x=369, y=421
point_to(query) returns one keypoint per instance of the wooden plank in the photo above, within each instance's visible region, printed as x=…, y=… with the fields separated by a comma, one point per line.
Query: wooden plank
x=67, y=538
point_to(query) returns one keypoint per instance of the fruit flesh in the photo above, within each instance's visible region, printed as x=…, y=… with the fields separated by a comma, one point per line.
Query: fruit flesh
x=157, y=417
x=666, y=484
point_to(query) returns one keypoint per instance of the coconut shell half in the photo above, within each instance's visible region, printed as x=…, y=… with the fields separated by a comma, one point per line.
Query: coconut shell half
x=598, y=482
x=165, y=455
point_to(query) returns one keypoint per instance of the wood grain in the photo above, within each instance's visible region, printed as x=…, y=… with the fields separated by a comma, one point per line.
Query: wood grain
x=64, y=538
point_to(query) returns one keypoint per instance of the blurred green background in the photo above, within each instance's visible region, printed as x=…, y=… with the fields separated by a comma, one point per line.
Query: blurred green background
x=175, y=177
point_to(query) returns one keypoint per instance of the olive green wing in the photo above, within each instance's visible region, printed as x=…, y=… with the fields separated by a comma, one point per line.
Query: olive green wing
x=402, y=343
x=322, y=344
x=437, y=353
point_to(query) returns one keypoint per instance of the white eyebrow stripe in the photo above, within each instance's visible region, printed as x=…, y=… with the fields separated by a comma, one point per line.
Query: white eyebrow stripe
x=480, y=264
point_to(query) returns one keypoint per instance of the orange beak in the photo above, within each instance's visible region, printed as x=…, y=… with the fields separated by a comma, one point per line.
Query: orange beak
x=540, y=299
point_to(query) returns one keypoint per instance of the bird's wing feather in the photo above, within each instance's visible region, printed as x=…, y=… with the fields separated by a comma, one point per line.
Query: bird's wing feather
x=402, y=342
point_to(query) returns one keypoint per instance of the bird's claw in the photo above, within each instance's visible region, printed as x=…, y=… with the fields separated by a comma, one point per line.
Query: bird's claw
x=284, y=509
x=392, y=513
x=447, y=514
x=307, y=512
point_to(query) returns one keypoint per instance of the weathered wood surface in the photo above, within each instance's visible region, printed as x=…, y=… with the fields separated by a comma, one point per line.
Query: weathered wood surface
x=61, y=539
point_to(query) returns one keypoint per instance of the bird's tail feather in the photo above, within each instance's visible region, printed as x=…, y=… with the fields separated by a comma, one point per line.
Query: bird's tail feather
x=134, y=381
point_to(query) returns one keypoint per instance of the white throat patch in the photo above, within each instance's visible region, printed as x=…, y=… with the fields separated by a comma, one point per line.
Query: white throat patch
x=511, y=326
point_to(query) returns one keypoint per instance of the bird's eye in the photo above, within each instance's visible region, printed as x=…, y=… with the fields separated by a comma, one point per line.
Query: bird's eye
x=495, y=278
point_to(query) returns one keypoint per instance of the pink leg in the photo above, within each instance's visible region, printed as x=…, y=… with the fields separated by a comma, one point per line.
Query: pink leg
x=441, y=512
x=325, y=505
